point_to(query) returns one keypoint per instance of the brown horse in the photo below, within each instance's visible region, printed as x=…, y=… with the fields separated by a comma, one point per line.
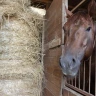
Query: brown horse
x=79, y=41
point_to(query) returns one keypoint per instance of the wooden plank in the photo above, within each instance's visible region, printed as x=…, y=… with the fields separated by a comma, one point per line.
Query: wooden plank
x=52, y=61
x=55, y=19
x=69, y=92
x=53, y=79
x=56, y=52
x=47, y=92
x=52, y=88
x=54, y=33
x=55, y=71
x=65, y=92
x=52, y=67
x=79, y=90
x=53, y=43
x=55, y=5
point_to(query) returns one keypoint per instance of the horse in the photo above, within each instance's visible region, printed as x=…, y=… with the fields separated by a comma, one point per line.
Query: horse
x=79, y=40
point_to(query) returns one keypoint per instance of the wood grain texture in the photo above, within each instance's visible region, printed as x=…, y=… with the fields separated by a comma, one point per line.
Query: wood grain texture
x=53, y=31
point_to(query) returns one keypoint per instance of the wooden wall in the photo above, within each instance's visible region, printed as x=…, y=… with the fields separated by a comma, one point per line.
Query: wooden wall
x=55, y=18
x=53, y=31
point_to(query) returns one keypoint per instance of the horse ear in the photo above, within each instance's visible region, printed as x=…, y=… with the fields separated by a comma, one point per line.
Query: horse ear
x=92, y=9
x=69, y=13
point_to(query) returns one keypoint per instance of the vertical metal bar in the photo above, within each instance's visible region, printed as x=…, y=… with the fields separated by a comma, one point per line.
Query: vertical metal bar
x=69, y=81
x=84, y=77
x=63, y=81
x=75, y=81
x=68, y=93
x=95, y=71
x=79, y=78
x=95, y=65
x=72, y=81
x=89, y=73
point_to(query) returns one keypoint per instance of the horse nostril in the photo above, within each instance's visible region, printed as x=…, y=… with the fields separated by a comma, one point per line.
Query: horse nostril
x=73, y=60
x=60, y=58
x=60, y=64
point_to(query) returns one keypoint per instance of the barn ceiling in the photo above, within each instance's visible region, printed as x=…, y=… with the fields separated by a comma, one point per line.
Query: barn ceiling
x=71, y=4
x=42, y=3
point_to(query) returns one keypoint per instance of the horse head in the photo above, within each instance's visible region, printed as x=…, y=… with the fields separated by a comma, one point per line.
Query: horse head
x=79, y=41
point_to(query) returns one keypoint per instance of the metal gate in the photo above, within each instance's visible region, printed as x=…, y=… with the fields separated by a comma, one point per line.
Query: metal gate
x=85, y=81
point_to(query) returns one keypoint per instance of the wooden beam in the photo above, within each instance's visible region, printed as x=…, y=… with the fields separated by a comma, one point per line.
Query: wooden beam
x=84, y=93
x=71, y=7
x=53, y=43
x=78, y=5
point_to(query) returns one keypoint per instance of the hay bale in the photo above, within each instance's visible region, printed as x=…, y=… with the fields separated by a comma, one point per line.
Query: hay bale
x=21, y=71
x=17, y=88
x=21, y=2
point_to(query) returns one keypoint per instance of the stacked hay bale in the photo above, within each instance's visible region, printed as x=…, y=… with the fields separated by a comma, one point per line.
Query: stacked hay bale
x=21, y=71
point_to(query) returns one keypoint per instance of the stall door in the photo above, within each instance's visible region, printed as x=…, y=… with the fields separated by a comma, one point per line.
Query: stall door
x=54, y=20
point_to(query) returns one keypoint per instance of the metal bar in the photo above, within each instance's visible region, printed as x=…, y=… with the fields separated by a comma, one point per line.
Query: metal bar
x=75, y=81
x=84, y=77
x=62, y=85
x=89, y=73
x=72, y=81
x=79, y=78
x=95, y=65
x=68, y=93
x=78, y=5
x=69, y=81
x=79, y=90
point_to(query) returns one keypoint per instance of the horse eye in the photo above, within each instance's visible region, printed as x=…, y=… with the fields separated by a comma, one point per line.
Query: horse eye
x=88, y=29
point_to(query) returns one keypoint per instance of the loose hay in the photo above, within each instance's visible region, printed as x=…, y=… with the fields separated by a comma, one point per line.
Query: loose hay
x=21, y=71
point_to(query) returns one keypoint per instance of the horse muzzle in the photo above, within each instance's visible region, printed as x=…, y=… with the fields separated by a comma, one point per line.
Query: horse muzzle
x=69, y=66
